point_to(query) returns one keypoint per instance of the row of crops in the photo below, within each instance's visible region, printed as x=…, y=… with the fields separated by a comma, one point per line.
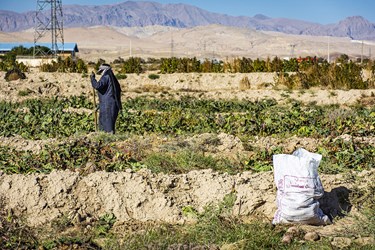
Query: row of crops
x=49, y=118
x=338, y=156
x=40, y=119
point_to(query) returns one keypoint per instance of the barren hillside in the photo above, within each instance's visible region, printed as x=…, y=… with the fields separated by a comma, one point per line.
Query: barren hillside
x=212, y=41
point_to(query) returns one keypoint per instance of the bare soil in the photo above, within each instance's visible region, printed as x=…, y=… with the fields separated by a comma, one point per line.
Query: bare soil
x=144, y=196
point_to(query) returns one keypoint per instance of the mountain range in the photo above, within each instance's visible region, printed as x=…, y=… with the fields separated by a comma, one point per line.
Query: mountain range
x=141, y=14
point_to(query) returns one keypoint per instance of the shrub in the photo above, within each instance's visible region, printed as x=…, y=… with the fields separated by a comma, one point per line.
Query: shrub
x=14, y=74
x=132, y=65
x=153, y=76
x=121, y=76
x=65, y=65
x=25, y=92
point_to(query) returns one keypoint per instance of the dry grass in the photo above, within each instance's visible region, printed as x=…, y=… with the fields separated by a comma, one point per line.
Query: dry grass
x=152, y=88
x=245, y=83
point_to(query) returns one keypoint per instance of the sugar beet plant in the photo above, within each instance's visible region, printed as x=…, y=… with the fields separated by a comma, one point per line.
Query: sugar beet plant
x=72, y=155
x=44, y=118
x=39, y=119
x=87, y=155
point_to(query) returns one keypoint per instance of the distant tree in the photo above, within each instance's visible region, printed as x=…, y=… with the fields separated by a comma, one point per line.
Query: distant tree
x=245, y=65
x=195, y=65
x=343, y=58
x=259, y=65
x=276, y=64
x=290, y=65
x=132, y=65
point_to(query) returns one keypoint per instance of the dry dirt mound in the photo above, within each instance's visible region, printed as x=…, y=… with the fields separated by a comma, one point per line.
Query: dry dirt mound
x=205, y=86
x=144, y=196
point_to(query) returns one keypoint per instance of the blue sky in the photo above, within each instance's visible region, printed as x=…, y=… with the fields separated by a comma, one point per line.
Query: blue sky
x=318, y=11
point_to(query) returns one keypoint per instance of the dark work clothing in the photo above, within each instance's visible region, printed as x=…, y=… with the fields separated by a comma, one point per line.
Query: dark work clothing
x=109, y=92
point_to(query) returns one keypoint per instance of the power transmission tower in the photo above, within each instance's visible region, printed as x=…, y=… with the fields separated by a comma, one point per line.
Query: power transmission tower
x=49, y=19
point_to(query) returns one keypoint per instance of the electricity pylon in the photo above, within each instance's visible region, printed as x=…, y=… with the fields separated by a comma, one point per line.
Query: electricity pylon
x=49, y=19
x=363, y=42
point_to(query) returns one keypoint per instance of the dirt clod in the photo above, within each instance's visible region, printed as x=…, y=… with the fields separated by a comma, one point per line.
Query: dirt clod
x=312, y=236
x=341, y=242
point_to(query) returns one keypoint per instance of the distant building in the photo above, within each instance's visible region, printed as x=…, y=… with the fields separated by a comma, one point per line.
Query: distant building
x=69, y=49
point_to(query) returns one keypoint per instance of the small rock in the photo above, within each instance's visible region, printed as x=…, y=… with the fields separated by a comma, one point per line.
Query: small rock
x=89, y=168
x=341, y=242
x=365, y=241
x=294, y=231
x=287, y=239
x=312, y=236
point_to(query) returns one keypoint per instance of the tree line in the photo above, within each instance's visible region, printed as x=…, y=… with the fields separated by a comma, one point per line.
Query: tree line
x=295, y=72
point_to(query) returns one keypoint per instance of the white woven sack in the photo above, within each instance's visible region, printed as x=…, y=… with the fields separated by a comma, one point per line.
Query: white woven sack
x=298, y=188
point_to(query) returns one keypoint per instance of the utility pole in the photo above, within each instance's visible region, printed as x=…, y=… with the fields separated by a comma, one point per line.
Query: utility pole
x=172, y=45
x=130, y=48
x=329, y=53
x=292, y=46
x=49, y=21
x=362, y=53
x=369, y=53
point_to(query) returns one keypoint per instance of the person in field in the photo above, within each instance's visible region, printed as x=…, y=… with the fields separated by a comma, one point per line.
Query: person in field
x=109, y=92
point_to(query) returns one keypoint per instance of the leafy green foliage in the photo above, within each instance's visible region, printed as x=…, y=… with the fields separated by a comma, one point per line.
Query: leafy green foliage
x=132, y=65
x=296, y=73
x=187, y=65
x=73, y=156
x=340, y=154
x=39, y=119
x=65, y=65
x=45, y=118
x=86, y=156
x=42, y=119
x=347, y=75
x=8, y=61
x=104, y=224
x=153, y=76
x=121, y=76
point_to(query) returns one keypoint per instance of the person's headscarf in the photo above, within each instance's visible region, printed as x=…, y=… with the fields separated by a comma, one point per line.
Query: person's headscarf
x=103, y=68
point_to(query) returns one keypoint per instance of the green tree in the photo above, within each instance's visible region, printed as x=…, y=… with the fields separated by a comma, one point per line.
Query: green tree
x=259, y=65
x=132, y=65
x=276, y=65
x=245, y=65
x=290, y=65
